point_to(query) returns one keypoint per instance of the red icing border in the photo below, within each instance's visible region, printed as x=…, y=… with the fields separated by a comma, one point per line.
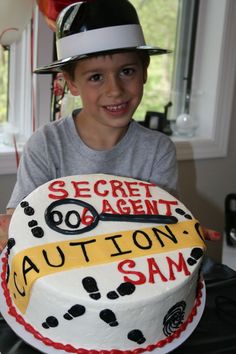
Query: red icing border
x=69, y=348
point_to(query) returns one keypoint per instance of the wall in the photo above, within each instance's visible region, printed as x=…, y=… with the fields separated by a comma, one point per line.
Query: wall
x=6, y=185
x=204, y=185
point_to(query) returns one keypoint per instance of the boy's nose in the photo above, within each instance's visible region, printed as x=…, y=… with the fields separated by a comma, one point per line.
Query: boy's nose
x=113, y=86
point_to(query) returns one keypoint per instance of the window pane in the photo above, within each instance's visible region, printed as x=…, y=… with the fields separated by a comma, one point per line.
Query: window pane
x=159, y=22
x=4, y=55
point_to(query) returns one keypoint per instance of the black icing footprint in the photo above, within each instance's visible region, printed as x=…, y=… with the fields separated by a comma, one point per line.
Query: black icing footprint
x=136, y=336
x=28, y=210
x=90, y=285
x=10, y=243
x=182, y=212
x=74, y=311
x=123, y=289
x=36, y=230
x=109, y=317
x=51, y=321
x=195, y=255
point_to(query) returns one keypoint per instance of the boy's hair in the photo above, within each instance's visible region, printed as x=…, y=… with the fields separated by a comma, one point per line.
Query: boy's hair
x=70, y=67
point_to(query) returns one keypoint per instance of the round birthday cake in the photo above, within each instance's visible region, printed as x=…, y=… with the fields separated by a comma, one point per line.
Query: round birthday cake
x=105, y=263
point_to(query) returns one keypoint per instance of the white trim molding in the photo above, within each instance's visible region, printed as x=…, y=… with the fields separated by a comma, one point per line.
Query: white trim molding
x=23, y=86
x=8, y=162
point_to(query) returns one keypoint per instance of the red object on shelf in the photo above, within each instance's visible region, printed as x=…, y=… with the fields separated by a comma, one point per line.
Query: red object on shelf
x=52, y=8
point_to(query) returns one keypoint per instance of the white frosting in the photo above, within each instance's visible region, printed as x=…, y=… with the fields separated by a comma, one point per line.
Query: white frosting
x=162, y=278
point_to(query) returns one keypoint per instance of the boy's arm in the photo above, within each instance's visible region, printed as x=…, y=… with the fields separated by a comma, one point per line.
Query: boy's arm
x=4, y=225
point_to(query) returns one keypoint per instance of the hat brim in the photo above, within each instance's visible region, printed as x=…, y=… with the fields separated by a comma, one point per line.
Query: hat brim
x=57, y=66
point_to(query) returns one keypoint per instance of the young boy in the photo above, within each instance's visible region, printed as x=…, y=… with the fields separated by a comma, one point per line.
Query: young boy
x=104, y=58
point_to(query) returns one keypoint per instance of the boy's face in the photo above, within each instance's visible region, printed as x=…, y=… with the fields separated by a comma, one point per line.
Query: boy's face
x=110, y=86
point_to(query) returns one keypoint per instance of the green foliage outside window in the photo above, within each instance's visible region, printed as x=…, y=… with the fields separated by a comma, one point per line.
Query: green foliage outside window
x=159, y=20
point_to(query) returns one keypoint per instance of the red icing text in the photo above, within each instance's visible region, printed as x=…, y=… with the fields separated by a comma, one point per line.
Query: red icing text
x=153, y=272
x=128, y=197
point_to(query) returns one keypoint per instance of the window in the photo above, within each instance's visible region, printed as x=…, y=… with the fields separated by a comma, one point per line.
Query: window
x=212, y=83
x=4, y=55
x=25, y=113
x=16, y=127
x=159, y=22
x=210, y=61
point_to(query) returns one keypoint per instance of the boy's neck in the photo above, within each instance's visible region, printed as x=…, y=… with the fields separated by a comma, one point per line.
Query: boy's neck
x=99, y=137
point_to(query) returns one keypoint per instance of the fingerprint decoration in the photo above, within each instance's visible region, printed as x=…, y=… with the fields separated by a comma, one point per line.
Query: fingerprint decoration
x=174, y=318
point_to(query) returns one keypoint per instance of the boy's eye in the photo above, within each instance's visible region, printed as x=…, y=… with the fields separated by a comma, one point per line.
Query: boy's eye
x=128, y=71
x=96, y=77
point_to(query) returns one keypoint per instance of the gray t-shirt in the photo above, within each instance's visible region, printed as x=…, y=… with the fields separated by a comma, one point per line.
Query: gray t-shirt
x=55, y=150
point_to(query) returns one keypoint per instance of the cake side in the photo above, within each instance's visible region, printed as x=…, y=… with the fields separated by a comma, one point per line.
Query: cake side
x=174, y=326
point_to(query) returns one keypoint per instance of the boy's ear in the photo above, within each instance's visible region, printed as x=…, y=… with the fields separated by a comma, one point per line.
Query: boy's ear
x=71, y=85
x=145, y=75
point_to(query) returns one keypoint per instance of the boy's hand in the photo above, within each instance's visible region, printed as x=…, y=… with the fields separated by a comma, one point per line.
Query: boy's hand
x=211, y=235
x=4, y=225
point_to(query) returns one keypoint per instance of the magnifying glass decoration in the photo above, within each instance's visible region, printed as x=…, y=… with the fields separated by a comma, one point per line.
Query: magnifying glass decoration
x=83, y=217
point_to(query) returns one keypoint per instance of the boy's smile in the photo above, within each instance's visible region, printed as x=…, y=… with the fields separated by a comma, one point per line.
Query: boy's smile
x=111, y=88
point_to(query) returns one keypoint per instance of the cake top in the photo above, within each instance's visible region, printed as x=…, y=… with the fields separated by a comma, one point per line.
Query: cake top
x=91, y=220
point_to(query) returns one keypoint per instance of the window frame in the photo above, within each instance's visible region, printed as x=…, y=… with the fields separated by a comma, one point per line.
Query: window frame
x=211, y=142
x=214, y=78
x=25, y=111
x=18, y=92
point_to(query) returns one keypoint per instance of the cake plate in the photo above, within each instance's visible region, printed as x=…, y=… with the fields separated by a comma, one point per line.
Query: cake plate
x=29, y=338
